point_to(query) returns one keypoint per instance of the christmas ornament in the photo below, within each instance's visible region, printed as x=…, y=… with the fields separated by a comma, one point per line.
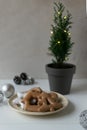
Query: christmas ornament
x=23, y=76
x=27, y=82
x=31, y=80
x=8, y=90
x=17, y=80
x=33, y=101
x=1, y=96
x=83, y=119
x=23, y=79
x=23, y=82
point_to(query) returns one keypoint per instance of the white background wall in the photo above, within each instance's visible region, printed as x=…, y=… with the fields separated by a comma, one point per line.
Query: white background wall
x=24, y=36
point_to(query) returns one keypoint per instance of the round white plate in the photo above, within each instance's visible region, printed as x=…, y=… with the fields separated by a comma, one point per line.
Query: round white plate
x=11, y=103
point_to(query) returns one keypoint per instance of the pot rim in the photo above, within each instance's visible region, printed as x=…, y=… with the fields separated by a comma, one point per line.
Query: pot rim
x=70, y=67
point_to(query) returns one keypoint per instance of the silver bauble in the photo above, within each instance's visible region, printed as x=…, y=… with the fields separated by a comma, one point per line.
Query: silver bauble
x=23, y=82
x=27, y=82
x=83, y=119
x=8, y=90
x=1, y=96
x=31, y=80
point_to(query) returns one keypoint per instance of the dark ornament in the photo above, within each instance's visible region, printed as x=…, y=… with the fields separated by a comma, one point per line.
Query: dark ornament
x=23, y=76
x=24, y=79
x=33, y=101
x=17, y=80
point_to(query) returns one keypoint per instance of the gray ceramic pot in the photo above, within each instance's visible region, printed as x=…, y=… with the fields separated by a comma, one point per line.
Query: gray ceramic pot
x=60, y=78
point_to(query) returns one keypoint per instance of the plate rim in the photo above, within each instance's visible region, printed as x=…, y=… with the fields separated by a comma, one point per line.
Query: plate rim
x=20, y=110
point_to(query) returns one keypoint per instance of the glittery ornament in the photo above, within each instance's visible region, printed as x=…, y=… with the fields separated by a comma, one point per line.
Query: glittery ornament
x=83, y=119
x=31, y=80
x=23, y=82
x=27, y=82
x=1, y=96
x=8, y=90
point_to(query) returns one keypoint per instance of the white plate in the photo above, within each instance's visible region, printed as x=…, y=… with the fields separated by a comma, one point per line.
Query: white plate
x=11, y=103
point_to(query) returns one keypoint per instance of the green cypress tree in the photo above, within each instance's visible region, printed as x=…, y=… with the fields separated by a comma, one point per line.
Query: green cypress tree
x=60, y=43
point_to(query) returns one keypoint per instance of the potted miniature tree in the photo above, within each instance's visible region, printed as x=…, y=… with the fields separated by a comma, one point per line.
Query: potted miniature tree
x=60, y=73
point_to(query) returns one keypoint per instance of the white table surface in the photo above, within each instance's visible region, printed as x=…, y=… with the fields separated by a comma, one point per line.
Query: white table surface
x=68, y=119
